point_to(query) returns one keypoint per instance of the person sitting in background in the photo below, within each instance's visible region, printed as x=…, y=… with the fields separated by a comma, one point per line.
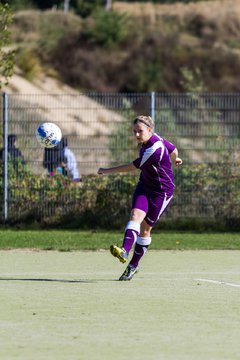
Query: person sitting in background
x=61, y=159
x=53, y=159
x=15, y=154
x=70, y=163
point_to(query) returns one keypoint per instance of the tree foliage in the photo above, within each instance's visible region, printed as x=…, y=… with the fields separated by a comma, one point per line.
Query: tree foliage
x=107, y=28
x=6, y=55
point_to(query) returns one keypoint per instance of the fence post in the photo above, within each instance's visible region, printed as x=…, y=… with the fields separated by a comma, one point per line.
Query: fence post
x=5, y=179
x=152, y=105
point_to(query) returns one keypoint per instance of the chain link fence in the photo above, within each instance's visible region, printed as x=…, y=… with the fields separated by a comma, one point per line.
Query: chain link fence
x=205, y=128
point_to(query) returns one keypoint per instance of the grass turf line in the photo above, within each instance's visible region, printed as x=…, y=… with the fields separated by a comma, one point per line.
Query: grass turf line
x=65, y=240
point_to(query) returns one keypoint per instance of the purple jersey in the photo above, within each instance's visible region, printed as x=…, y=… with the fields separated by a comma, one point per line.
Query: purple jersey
x=155, y=165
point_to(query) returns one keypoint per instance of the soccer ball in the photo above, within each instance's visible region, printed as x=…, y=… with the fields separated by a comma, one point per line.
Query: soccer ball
x=48, y=135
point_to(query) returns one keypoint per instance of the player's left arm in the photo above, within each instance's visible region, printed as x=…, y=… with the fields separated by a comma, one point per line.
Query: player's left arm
x=175, y=158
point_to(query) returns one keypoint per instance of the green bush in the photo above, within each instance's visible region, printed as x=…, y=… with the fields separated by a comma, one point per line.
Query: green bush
x=107, y=28
x=86, y=8
x=206, y=196
x=29, y=63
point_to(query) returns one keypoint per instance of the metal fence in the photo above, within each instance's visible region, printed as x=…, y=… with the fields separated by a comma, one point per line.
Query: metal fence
x=205, y=128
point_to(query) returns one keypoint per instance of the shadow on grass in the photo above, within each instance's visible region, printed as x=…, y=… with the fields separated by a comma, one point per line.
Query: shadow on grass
x=89, y=281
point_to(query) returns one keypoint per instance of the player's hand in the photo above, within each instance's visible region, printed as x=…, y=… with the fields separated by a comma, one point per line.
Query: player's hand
x=178, y=162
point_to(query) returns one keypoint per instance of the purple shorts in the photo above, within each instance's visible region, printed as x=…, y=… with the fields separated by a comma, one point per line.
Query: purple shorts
x=152, y=203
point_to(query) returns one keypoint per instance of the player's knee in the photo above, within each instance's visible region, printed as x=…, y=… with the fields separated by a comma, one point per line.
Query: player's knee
x=145, y=229
x=137, y=215
x=145, y=232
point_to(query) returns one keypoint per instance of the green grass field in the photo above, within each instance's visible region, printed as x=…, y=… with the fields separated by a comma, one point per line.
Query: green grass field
x=86, y=240
x=182, y=305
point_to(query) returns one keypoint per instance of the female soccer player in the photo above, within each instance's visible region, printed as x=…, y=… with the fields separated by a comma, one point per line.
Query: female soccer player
x=153, y=192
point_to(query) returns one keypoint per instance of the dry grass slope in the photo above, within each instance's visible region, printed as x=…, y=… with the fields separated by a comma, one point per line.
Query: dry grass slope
x=216, y=10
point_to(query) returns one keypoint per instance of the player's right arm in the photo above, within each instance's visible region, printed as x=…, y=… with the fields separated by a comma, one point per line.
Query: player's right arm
x=117, y=169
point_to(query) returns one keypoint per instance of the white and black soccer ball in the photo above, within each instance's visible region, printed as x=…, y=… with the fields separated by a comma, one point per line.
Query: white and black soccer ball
x=48, y=134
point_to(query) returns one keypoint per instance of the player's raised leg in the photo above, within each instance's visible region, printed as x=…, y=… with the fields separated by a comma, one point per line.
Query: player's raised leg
x=131, y=233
